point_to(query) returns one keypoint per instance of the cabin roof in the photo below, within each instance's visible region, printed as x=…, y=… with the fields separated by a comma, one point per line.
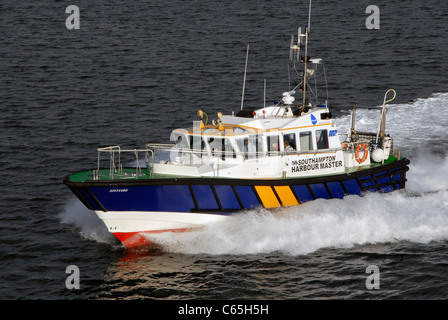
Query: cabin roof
x=237, y=126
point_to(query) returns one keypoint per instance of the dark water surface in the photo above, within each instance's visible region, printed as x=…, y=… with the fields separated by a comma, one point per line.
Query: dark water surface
x=135, y=70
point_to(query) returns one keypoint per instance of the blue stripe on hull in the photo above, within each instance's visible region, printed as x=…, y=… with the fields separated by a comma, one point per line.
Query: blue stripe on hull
x=320, y=191
x=205, y=197
x=227, y=198
x=176, y=198
x=303, y=193
x=93, y=204
x=352, y=187
x=367, y=183
x=248, y=197
x=336, y=189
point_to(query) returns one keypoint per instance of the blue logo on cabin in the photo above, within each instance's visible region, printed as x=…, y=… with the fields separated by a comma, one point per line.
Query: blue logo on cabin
x=313, y=120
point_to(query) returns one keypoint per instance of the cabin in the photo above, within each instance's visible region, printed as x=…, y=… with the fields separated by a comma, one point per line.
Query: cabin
x=270, y=142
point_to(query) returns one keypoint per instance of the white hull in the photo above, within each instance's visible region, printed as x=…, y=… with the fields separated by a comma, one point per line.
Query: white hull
x=130, y=226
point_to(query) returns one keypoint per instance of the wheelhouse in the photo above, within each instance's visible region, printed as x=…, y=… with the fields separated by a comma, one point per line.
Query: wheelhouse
x=242, y=142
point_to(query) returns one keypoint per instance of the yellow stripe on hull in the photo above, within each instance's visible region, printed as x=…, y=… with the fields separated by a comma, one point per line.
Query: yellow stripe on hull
x=286, y=196
x=267, y=196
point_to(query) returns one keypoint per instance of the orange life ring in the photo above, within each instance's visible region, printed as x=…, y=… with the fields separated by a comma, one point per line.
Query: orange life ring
x=364, y=148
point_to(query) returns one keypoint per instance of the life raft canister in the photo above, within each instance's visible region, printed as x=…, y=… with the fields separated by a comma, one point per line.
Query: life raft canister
x=362, y=147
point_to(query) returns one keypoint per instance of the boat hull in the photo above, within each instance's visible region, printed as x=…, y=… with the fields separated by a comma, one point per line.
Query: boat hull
x=130, y=208
x=133, y=228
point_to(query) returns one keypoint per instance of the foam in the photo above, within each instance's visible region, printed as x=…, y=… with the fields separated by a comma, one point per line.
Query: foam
x=373, y=218
x=88, y=223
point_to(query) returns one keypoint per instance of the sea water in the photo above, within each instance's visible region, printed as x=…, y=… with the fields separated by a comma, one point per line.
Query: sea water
x=134, y=71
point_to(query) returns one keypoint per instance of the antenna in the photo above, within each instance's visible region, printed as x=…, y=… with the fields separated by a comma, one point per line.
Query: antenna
x=305, y=58
x=291, y=58
x=244, y=81
x=294, y=49
x=309, y=16
x=264, y=98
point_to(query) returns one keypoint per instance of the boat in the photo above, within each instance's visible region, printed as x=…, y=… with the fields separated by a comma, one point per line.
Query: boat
x=271, y=156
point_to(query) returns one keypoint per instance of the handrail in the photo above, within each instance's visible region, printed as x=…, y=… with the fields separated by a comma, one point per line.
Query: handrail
x=115, y=166
x=188, y=157
x=382, y=120
x=116, y=152
x=204, y=153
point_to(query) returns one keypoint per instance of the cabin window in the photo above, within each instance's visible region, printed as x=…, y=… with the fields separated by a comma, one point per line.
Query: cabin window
x=289, y=142
x=216, y=146
x=228, y=149
x=221, y=147
x=181, y=141
x=239, y=130
x=250, y=146
x=322, y=139
x=196, y=144
x=306, y=143
x=273, y=145
x=242, y=144
x=209, y=131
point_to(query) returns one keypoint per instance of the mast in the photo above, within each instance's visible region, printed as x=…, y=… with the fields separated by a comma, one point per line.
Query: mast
x=305, y=58
x=244, y=80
